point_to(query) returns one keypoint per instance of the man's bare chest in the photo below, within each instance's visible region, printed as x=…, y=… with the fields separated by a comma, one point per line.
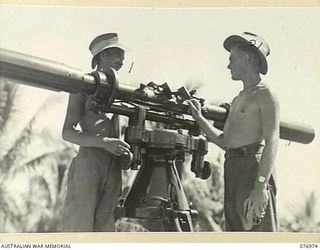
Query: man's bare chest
x=244, y=106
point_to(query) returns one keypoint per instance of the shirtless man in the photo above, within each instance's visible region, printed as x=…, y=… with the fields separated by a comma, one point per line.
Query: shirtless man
x=250, y=138
x=94, y=182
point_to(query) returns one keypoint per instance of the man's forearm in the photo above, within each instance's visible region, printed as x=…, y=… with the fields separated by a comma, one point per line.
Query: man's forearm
x=82, y=138
x=268, y=158
x=213, y=134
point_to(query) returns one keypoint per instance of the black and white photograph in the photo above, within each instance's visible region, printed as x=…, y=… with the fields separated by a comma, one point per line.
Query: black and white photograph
x=159, y=119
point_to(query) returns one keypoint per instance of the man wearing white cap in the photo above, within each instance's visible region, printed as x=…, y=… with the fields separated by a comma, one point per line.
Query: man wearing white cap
x=250, y=138
x=94, y=180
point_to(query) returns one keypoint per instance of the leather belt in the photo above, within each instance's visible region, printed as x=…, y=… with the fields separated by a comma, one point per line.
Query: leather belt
x=255, y=148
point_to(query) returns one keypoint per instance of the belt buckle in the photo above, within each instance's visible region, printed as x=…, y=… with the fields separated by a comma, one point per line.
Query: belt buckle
x=227, y=154
x=245, y=151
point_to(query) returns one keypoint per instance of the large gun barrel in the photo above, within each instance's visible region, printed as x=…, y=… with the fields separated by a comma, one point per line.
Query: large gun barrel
x=46, y=74
x=43, y=73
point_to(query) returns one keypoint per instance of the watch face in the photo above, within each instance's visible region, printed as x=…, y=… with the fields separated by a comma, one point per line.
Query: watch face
x=262, y=179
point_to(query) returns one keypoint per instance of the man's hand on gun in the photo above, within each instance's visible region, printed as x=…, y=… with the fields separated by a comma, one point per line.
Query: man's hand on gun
x=116, y=146
x=194, y=107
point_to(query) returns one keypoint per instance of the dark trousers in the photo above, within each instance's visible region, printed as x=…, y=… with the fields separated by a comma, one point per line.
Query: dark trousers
x=240, y=174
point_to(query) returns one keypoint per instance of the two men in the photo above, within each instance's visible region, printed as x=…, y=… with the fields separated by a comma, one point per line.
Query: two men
x=250, y=138
x=94, y=182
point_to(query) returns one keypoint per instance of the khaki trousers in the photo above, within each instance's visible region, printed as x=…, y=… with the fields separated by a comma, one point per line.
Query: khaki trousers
x=94, y=187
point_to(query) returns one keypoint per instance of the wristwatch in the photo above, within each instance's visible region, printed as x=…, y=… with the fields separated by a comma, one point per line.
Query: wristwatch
x=261, y=179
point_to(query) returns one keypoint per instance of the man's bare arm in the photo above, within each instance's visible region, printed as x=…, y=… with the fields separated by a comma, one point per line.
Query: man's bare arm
x=269, y=115
x=212, y=134
x=74, y=113
x=270, y=119
x=76, y=107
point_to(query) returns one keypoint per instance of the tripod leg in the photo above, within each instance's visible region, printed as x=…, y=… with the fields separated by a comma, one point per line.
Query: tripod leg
x=178, y=223
x=180, y=219
x=172, y=225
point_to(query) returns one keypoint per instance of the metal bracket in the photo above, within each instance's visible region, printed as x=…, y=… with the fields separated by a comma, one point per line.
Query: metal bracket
x=107, y=87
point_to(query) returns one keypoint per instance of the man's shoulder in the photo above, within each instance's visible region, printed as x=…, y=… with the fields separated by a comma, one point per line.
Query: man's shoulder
x=266, y=94
x=262, y=86
x=264, y=90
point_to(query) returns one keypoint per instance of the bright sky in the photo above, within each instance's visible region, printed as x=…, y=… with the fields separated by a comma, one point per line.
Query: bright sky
x=185, y=45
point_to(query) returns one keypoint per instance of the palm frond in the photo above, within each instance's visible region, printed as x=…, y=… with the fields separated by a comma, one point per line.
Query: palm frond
x=37, y=207
x=35, y=153
x=18, y=149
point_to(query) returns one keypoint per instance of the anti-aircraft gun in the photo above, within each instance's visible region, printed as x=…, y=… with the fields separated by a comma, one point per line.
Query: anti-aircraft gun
x=157, y=192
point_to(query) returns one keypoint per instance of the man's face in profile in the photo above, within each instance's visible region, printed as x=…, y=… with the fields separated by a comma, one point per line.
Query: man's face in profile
x=112, y=57
x=236, y=64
